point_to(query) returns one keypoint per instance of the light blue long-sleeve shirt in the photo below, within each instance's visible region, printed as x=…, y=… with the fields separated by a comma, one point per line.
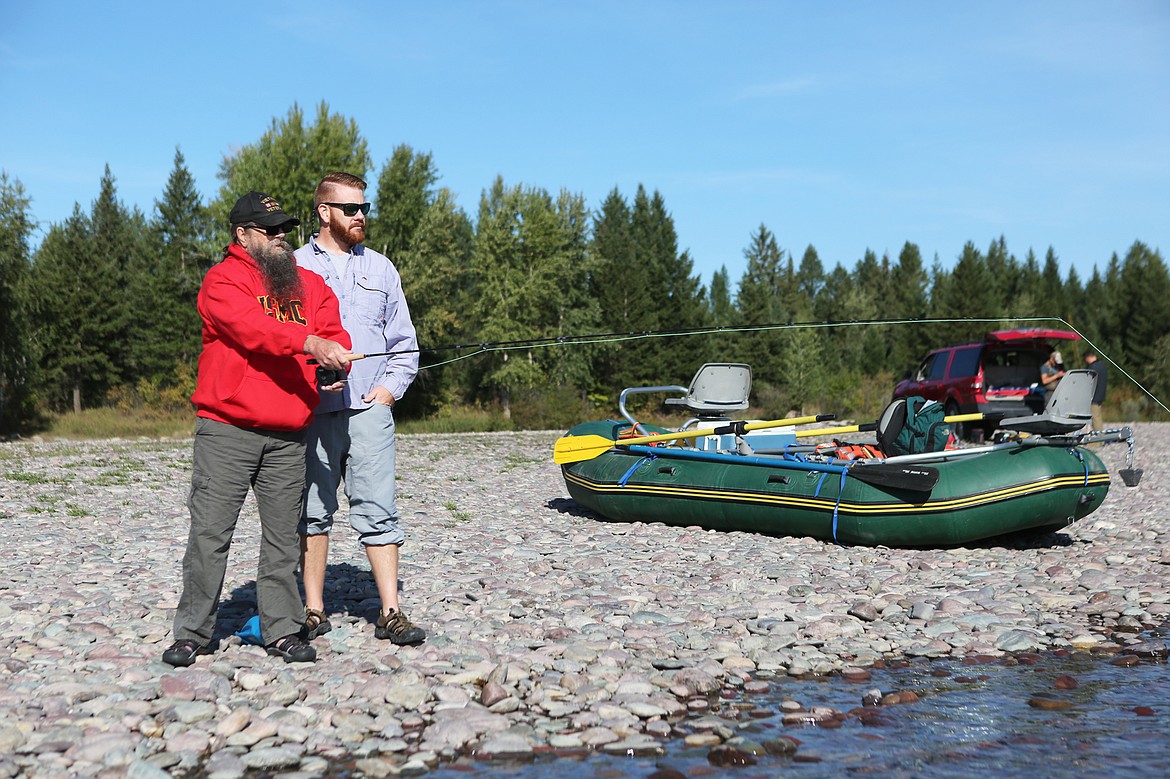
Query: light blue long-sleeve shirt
x=375, y=314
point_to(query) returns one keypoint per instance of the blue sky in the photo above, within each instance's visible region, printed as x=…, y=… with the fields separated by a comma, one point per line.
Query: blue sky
x=845, y=125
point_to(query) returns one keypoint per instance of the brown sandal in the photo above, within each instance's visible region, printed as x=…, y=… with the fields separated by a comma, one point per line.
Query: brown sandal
x=316, y=623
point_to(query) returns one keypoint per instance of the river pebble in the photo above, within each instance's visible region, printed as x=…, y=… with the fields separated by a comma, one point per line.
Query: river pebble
x=548, y=628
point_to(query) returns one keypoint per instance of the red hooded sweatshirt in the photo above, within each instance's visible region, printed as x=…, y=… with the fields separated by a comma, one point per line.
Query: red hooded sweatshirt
x=253, y=372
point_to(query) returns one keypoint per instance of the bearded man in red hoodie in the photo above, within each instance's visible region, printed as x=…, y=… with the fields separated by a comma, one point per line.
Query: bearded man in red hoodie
x=254, y=397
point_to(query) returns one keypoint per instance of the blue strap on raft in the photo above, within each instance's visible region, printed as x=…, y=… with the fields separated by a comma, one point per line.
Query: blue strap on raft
x=641, y=461
x=1076, y=453
x=837, y=505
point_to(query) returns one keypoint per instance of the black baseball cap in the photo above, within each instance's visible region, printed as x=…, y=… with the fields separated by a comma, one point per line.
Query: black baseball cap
x=256, y=207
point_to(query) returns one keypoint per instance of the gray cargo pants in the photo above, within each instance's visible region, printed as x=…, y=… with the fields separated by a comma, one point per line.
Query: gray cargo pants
x=228, y=460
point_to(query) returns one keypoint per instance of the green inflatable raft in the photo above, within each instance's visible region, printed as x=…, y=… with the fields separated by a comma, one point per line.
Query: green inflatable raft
x=946, y=499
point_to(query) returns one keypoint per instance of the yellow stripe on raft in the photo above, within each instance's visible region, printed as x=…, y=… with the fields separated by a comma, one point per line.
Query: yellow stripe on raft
x=969, y=501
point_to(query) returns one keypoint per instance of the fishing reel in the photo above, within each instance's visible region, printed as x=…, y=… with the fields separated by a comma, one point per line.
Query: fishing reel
x=327, y=376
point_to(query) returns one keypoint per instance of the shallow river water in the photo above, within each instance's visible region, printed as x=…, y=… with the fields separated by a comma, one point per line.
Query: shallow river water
x=1031, y=716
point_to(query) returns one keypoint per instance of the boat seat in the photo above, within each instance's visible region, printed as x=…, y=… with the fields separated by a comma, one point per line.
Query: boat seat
x=716, y=389
x=1068, y=408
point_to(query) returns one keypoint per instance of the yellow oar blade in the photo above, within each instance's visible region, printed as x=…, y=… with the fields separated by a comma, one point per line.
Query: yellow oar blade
x=576, y=448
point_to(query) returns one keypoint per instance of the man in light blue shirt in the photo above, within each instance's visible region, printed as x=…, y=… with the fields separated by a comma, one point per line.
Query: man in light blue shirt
x=352, y=434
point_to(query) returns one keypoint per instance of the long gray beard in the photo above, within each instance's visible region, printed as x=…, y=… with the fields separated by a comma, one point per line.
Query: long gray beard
x=279, y=267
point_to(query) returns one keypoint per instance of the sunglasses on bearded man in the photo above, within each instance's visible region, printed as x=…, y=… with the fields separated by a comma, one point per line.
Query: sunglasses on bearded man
x=350, y=209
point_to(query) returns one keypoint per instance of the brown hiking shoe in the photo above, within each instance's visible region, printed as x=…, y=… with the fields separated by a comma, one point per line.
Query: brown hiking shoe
x=316, y=623
x=400, y=630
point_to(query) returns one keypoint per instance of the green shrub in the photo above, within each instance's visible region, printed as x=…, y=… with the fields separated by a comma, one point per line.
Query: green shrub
x=550, y=408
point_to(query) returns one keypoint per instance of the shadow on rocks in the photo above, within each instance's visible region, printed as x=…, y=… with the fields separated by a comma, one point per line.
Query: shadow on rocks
x=572, y=508
x=348, y=589
x=235, y=611
x=352, y=590
x=1023, y=540
x=1026, y=540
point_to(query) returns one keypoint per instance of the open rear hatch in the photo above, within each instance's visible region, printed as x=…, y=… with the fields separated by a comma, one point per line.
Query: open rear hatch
x=1011, y=364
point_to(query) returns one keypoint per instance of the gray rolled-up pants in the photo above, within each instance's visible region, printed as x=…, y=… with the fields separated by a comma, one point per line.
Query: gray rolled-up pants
x=229, y=460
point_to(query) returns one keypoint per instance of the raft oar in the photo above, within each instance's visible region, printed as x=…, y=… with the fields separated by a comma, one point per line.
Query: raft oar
x=577, y=448
x=910, y=477
x=866, y=428
x=870, y=427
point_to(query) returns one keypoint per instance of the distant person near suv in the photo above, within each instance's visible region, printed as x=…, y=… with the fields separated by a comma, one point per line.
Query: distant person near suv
x=1000, y=376
x=1051, y=372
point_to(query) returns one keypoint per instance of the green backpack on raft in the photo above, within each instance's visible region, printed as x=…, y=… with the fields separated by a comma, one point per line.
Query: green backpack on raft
x=913, y=425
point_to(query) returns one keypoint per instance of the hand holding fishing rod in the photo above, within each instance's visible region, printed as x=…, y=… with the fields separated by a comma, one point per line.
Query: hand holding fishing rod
x=331, y=359
x=348, y=357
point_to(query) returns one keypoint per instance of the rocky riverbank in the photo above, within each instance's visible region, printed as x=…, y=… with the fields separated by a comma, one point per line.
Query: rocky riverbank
x=548, y=628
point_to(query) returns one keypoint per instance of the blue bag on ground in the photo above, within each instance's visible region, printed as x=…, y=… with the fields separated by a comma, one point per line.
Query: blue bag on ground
x=250, y=632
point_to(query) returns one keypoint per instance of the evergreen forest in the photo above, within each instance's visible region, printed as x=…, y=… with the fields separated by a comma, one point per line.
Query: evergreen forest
x=102, y=312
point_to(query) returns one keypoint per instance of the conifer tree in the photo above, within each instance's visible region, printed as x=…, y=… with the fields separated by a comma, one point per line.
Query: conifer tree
x=117, y=237
x=436, y=268
x=765, y=286
x=1142, y=308
x=621, y=286
x=1000, y=268
x=419, y=227
x=1028, y=298
x=406, y=189
x=870, y=289
x=969, y=294
x=17, y=365
x=1093, y=322
x=909, y=300
x=722, y=307
x=530, y=269
x=810, y=278
x=84, y=300
x=1076, y=303
x=289, y=160
x=1052, y=287
x=675, y=296
x=71, y=318
x=167, y=330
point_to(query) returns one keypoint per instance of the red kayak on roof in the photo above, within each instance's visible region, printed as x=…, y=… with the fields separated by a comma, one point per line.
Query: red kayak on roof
x=1034, y=332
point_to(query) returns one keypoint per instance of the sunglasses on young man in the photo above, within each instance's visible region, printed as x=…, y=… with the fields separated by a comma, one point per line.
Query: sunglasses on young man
x=350, y=209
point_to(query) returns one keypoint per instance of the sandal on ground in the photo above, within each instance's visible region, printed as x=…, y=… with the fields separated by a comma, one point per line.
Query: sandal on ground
x=400, y=630
x=182, y=653
x=316, y=623
x=293, y=649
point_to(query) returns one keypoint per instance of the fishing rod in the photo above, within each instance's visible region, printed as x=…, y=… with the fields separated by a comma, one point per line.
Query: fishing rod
x=559, y=340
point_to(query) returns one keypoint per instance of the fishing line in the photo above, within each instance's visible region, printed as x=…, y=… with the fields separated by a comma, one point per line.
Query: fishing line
x=636, y=335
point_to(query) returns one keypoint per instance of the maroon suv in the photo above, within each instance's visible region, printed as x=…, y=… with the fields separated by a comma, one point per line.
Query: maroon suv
x=1001, y=373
